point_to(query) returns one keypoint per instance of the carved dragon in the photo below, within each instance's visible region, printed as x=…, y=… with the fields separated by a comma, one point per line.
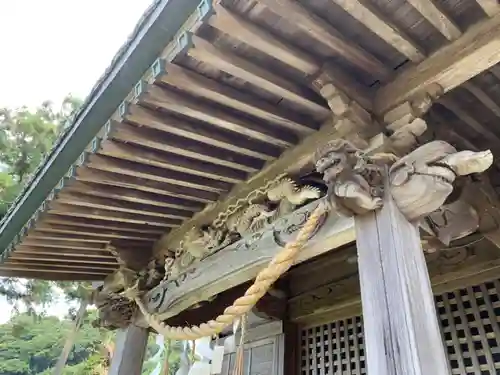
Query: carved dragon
x=277, y=198
x=281, y=198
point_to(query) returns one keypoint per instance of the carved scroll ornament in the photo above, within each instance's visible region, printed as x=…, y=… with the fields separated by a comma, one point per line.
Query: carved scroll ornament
x=419, y=182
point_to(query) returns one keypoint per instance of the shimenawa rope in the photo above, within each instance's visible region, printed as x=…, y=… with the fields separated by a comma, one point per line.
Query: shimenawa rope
x=276, y=267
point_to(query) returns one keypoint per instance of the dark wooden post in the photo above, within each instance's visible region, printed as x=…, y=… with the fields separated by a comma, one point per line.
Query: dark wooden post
x=401, y=330
x=129, y=352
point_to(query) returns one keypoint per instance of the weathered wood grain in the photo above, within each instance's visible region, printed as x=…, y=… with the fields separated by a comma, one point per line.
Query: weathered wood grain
x=242, y=261
x=130, y=349
x=382, y=27
x=402, y=334
x=475, y=51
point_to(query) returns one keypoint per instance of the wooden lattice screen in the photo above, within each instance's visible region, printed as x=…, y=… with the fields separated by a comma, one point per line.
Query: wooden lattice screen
x=469, y=320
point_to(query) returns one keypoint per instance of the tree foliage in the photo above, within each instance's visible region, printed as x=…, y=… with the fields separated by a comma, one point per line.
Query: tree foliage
x=32, y=347
x=26, y=136
x=29, y=346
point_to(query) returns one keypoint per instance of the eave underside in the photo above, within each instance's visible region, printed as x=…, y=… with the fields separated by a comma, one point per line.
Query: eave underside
x=213, y=118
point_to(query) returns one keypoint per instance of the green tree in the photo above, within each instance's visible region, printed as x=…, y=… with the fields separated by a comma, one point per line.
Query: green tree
x=26, y=136
x=29, y=346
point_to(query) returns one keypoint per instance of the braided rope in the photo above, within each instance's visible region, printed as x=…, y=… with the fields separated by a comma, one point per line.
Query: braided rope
x=276, y=267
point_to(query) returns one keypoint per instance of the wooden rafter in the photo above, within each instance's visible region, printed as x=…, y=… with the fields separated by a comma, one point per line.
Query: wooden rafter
x=70, y=210
x=178, y=130
x=326, y=34
x=437, y=18
x=196, y=84
x=474, y=52
x=133, y=182
x=128, y=195
x=226, y=61
x=484, y=98
x=382, y=27
x=490, y=7
x=232, y=24
x=91, y=232
x=172, y=162
x=470, y=121
x=192, y=184
x=162, y=98
x=82, y=200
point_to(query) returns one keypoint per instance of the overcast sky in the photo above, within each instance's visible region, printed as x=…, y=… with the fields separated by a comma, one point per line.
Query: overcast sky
x=50, y=48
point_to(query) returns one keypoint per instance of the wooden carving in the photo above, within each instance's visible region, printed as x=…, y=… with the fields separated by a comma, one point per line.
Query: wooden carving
x=355, y=180
x=419, y=182
x=261, y=208
x=115, y=311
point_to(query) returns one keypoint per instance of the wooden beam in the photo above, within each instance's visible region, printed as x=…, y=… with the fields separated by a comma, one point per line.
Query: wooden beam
x=236, y=26
x=101, y=224
x=401, y=336
x=228, y=62
x=52, y=276
x=206, y=88
x=235, y=264
x=130, y=350
x=219, y=119
x=327, y=35
x=487, y=134
x=134, y=196
x=47, y=269
x=61, y=237
x=301, y=156
x=474, y=52
x=28, y=250
x=382, y=27
x=340, y=298
x=191, y=184
x=55, y=265
x=147, y=156
x=490, y=7
x=57, y=208
x=178, y=129
x=61, y=258
x=225, y=156
x=136, y=183
x=484, y=98
x=118, y=206
x=74, y=230
x=444, y=24
x=75, y=245
x=247, y=32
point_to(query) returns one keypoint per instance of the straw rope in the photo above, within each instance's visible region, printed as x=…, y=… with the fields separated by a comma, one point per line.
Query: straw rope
x=276, y=267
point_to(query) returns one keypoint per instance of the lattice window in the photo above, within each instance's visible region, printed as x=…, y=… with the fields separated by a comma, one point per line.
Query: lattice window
x=469, y=320
x=470, y=325
x=334, y=348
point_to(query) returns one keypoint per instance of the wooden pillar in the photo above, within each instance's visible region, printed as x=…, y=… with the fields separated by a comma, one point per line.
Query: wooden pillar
x=388, y=196
x=130, y=349
x=401, y=329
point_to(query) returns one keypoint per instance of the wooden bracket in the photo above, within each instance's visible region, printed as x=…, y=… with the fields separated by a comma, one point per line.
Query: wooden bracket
x=406, y=122
x=343, y=105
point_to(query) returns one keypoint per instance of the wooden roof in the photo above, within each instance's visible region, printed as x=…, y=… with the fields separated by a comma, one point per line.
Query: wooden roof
x=213, y=116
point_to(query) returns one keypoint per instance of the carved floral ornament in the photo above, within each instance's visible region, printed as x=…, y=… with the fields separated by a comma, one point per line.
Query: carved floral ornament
x=419, y=182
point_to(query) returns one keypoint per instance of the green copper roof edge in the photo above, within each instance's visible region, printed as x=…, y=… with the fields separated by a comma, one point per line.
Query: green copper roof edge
x=158, y=26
